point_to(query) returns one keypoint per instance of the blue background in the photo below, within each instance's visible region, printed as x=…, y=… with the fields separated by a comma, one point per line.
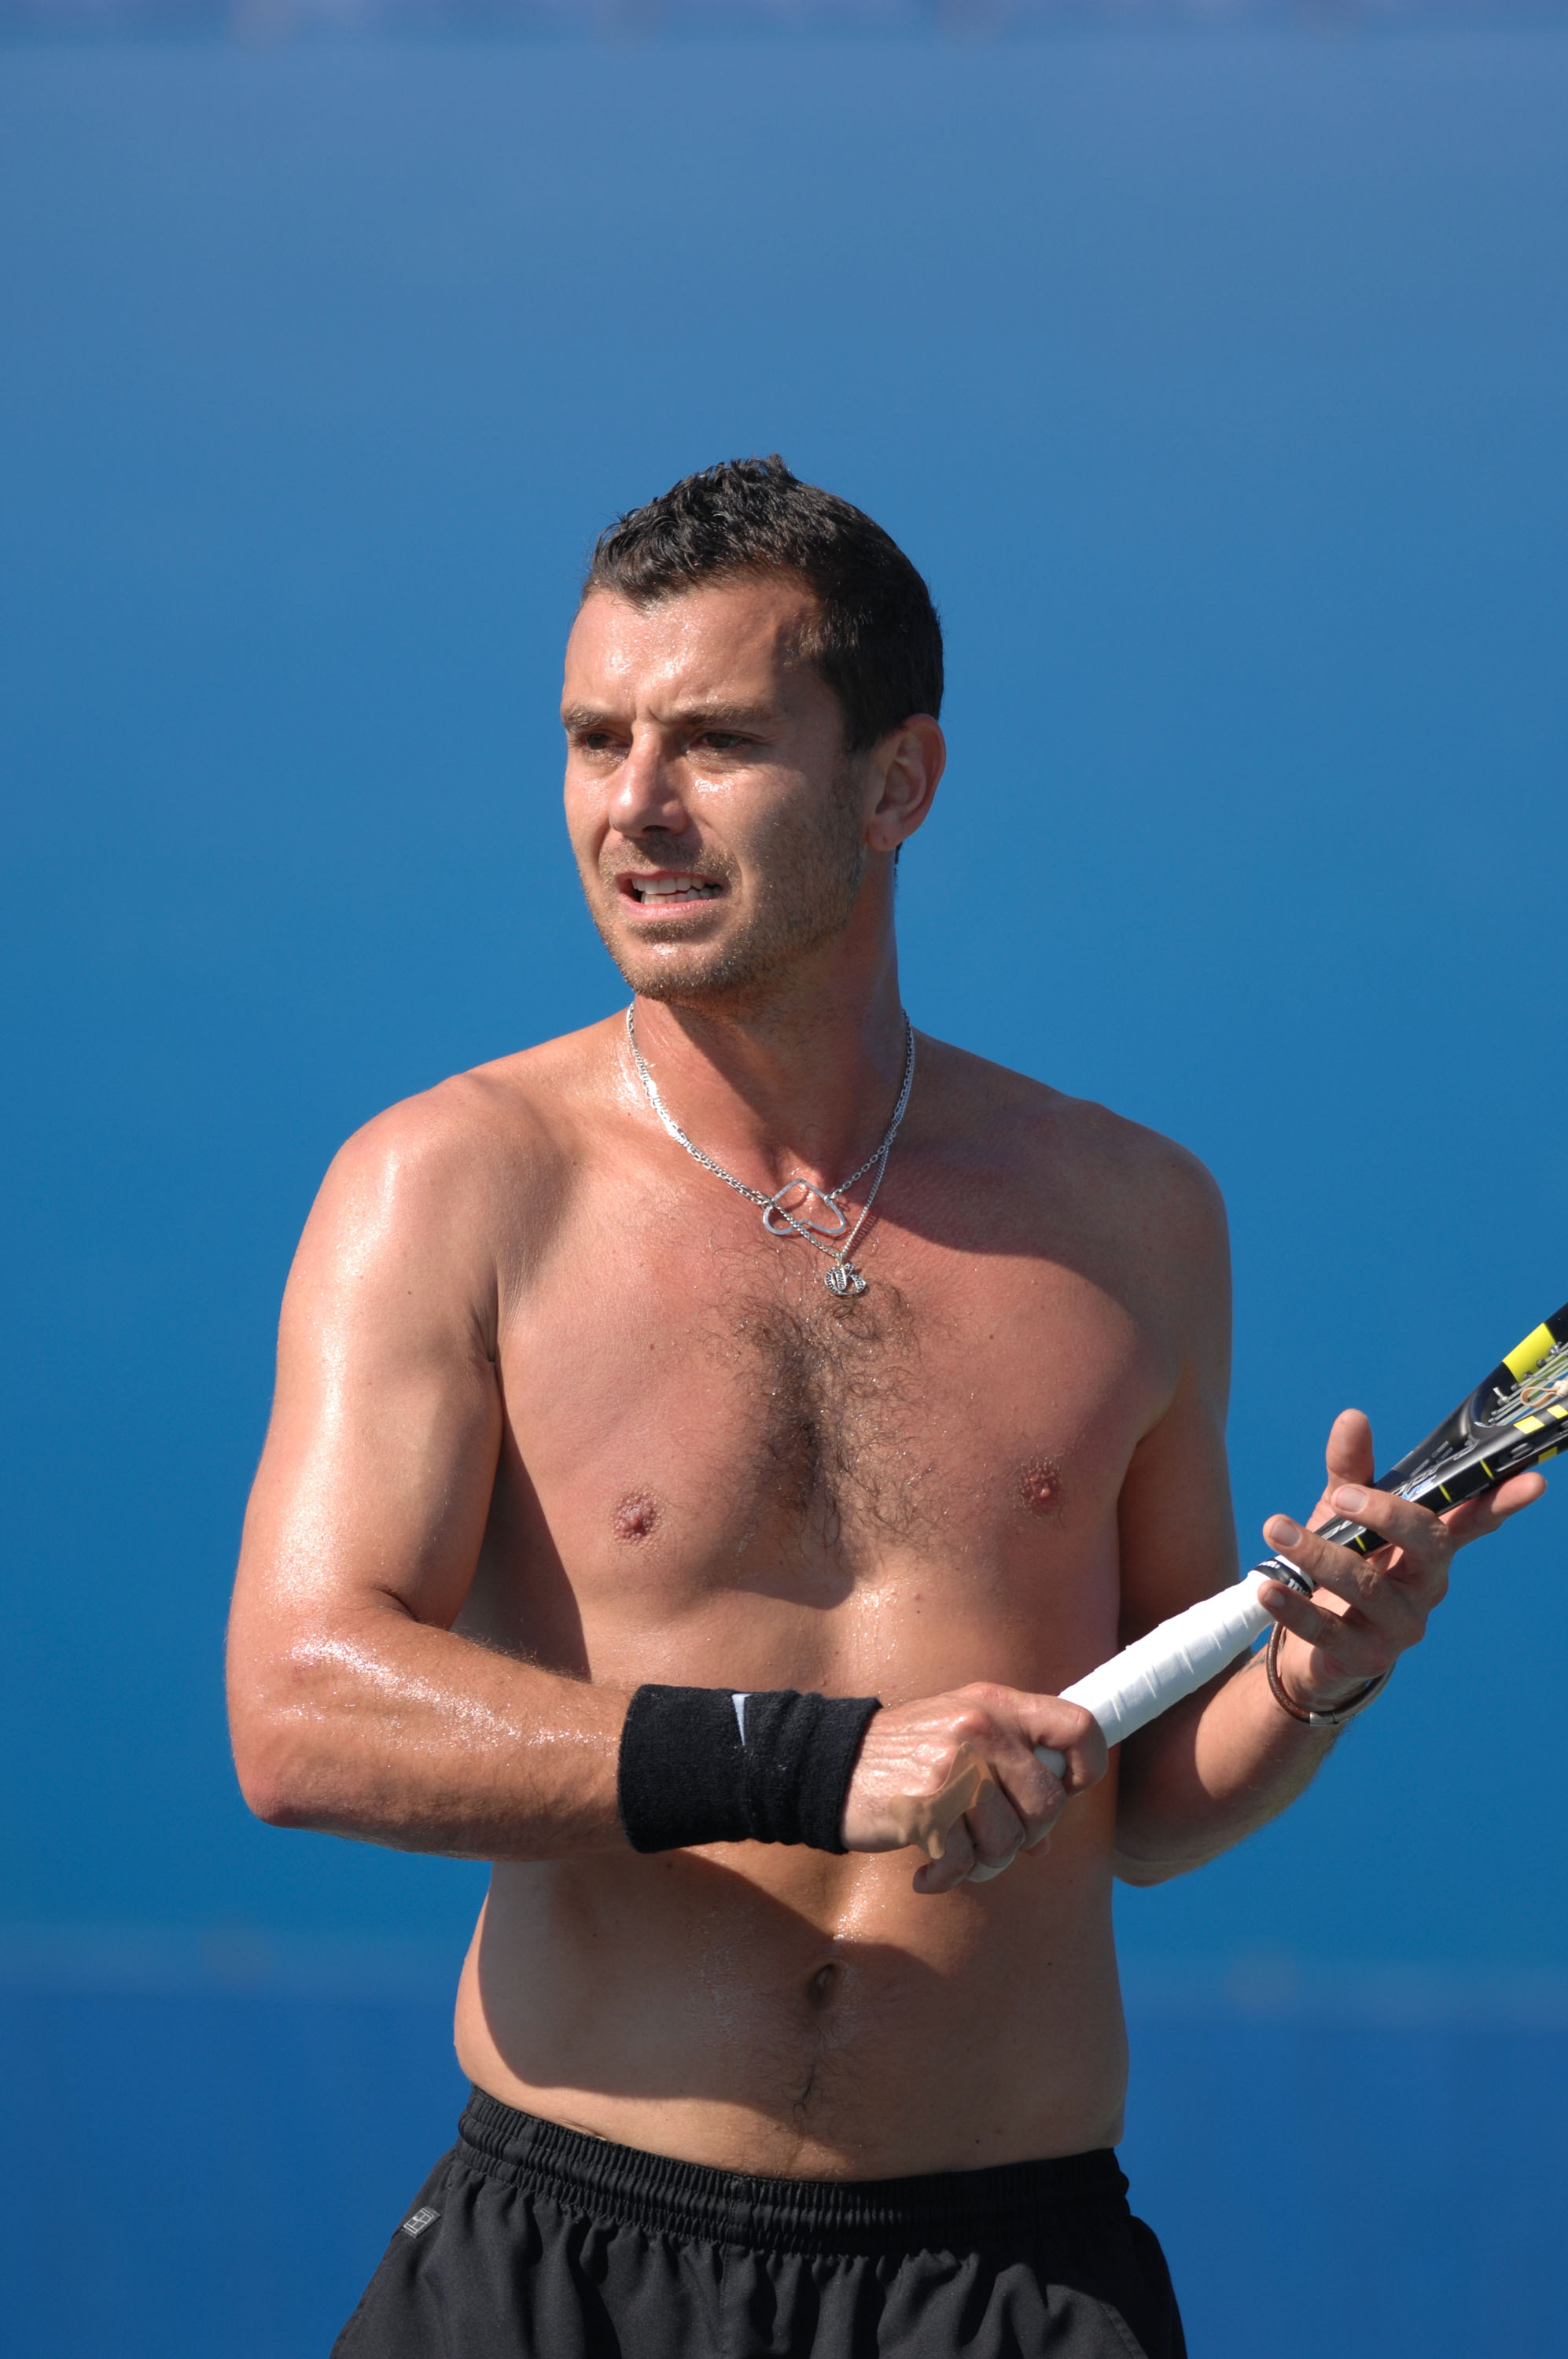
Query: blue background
x=1216, y=382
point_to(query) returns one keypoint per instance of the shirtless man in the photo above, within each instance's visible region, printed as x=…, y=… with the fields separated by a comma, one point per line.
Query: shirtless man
x=564, y=1417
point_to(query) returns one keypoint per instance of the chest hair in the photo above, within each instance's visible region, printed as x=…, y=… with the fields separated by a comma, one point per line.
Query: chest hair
x=840, y=1417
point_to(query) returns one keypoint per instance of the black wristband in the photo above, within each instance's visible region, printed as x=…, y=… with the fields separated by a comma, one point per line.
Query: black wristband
x=701, y=1766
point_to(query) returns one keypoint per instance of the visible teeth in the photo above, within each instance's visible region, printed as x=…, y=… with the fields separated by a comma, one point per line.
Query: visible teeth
x=672, y=888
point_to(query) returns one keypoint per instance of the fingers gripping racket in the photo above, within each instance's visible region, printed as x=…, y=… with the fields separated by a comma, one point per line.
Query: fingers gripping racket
x=1516, y=1417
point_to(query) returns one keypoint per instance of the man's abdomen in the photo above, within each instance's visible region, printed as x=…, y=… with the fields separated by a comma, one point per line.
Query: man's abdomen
x=780, y=2011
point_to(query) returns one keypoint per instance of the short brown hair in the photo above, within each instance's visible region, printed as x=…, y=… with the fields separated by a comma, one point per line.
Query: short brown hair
x=876, y=639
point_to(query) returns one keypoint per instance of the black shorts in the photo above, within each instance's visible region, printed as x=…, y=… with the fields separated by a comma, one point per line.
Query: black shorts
x=528, y=2239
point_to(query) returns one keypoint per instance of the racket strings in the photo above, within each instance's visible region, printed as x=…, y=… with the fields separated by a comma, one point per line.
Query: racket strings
x=1546, y=1385
x=1542, y=1393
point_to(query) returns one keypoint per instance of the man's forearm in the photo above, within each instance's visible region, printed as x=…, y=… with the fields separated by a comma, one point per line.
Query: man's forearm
x=382, y=1727
x=1208, y=1773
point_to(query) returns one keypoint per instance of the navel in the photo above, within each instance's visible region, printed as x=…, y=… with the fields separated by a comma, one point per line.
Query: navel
x=637, y=1518
x=822, y=1989
x=1039, y=1486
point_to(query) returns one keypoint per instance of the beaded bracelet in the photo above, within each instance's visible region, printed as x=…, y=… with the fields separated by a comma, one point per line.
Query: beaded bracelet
x=1287, y=1702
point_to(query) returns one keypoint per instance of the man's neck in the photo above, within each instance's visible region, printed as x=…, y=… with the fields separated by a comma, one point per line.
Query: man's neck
x=802, y=1081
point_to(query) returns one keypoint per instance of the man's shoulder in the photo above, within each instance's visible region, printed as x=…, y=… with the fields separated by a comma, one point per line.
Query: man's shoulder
x=511, y=1120
x=1041, y=1136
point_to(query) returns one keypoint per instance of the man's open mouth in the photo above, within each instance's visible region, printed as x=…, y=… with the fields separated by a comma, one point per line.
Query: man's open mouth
x=666, y=891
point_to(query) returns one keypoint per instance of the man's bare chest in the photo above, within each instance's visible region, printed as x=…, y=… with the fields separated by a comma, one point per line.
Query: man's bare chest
x=704, y=1430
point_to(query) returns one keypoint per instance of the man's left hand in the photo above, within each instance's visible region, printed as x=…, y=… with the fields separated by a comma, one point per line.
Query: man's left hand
x=1368, y=1610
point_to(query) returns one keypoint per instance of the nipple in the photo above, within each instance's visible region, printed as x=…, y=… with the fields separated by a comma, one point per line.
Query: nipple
x=1039, y=1486
x=637, y=1518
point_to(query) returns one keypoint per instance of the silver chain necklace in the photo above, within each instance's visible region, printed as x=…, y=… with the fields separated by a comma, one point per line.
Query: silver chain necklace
x=778, y=1218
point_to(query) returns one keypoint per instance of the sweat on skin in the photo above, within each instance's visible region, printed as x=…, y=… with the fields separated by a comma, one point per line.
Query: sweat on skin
x=556, y=1416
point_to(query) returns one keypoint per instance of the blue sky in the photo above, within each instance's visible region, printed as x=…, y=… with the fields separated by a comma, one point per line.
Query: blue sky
x=1216, y=383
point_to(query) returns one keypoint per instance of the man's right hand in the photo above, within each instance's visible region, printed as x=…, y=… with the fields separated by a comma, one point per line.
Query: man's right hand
x=957, y=1777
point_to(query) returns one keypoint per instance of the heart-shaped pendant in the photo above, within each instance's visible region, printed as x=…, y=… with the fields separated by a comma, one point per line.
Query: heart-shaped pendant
x=782, y=1220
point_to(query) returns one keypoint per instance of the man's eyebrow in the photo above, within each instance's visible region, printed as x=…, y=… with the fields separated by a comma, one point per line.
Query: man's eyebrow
x=725, y=716
x=578, y=718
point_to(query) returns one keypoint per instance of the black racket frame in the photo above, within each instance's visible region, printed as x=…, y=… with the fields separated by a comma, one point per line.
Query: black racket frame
x=1489, y=1436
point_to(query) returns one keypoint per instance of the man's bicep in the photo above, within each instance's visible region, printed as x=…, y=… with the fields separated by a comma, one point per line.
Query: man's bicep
x=375, y=1479
x=1176, y=1529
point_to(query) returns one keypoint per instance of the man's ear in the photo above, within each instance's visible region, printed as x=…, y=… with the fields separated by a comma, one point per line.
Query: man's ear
x=906, y=767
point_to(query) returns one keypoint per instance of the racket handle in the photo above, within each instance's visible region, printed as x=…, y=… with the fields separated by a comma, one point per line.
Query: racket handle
x=1172, y=1661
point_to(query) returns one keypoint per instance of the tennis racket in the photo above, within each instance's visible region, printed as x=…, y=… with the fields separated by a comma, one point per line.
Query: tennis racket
x=1516, y=1417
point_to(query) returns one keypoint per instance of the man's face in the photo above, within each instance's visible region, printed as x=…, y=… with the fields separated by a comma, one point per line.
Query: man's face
x=717, y=823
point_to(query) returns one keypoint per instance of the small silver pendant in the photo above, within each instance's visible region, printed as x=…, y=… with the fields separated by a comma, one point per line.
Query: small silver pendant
x=781, y=1220
x=844, y=1278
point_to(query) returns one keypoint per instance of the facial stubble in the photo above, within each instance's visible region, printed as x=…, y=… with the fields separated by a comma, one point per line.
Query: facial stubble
x=811, y=879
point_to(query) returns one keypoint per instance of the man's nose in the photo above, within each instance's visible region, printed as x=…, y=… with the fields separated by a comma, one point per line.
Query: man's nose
x=648, y=791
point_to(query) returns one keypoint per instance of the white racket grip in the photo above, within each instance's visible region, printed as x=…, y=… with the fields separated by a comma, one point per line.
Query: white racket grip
x=1171, y=1661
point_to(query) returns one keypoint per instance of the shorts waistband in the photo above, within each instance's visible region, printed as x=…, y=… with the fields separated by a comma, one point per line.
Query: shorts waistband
x=945, y=2211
